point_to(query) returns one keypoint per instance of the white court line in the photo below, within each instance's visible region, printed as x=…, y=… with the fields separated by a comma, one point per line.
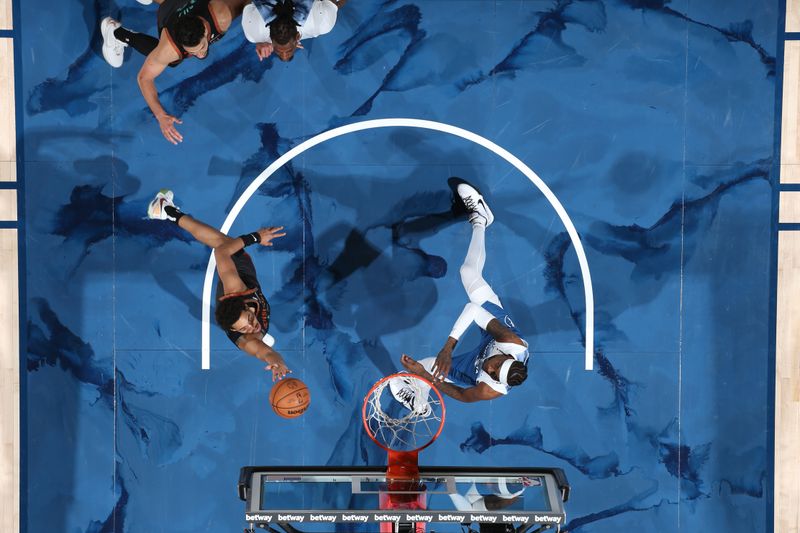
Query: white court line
x=404, y=123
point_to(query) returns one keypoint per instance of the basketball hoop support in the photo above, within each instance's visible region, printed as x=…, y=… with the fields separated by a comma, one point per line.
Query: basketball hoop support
x=404, y=490
x=402, y=466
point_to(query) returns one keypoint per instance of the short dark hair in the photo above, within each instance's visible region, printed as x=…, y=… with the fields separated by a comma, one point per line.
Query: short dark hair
x=283, y=28
x=517, y=374
x=228, y=311
x=189, y=31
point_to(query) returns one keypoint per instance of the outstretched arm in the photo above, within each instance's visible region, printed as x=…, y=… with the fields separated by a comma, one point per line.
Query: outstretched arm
x=472, y=394
x=153, y=66
x=501, y=333
x=226, y=268
x=254, y=345
x=472, y=313
x=445, y=356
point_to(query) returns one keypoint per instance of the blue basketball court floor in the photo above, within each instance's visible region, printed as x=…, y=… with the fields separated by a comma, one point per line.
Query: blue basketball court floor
x=653, y=124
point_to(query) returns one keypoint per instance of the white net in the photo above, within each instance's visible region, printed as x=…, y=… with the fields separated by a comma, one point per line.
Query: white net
x=404, y=413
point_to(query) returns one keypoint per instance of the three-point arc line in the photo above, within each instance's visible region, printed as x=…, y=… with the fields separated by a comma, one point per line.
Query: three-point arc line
x=405, y=123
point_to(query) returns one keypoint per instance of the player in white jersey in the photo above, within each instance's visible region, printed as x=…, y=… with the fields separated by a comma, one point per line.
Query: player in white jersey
x=500, y=361
x=279, y=25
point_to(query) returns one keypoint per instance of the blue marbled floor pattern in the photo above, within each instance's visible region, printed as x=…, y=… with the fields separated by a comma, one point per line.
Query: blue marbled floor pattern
x=651, y=120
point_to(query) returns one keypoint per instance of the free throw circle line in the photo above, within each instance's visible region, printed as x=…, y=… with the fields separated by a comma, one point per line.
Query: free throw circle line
x=406, y=123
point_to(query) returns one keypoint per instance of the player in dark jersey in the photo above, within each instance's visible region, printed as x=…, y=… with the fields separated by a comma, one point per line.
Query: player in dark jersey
x=186, y=28
x=242, y=311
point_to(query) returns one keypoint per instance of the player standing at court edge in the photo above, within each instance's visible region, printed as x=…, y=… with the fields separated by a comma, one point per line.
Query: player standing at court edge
x=242, y=311
x=186, y=28
x=500, y=361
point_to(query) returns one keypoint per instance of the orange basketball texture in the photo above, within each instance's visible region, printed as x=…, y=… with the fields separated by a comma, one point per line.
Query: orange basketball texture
x=289, y=398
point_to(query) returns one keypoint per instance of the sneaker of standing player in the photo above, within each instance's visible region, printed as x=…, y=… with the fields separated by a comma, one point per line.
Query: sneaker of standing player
x=156, y=208
x=475, y=204
x=113, y=48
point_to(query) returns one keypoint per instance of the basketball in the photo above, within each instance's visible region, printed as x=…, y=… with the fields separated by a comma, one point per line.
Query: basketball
x=289, y=398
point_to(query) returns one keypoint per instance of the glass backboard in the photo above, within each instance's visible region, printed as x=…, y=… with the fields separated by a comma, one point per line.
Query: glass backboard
x=443, y=499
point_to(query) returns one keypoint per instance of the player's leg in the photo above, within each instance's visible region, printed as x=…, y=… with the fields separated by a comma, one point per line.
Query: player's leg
x=116, y=38
x=162, y=208
x=478, y=290
x=141, y=42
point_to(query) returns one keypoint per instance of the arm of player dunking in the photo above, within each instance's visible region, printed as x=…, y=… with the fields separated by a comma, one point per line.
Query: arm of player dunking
x=500, y=333
x=479, y=392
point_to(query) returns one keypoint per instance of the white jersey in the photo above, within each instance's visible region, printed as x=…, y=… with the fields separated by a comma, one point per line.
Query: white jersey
x=321, y=19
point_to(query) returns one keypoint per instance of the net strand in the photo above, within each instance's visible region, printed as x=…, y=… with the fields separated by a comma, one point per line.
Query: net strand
x=404, y=433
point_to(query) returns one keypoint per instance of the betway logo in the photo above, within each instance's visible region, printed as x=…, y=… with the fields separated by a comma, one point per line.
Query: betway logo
x=547, y=519
x=322, y=518
x=515, y=518
x=257, y=517
x=354, y=518
x=482, y=518
x=290, y=518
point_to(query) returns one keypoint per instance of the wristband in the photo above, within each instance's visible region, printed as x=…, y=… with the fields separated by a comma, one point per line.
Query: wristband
x=250, y=238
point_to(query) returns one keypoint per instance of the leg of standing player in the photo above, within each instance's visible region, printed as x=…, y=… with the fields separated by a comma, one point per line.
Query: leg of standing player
x=478, y=290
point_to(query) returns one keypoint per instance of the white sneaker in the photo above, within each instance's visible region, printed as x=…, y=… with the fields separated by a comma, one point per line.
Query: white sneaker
x=113, y=48
x=475, y=204
x=145, y=2
x=156, y=208
x=410, y=393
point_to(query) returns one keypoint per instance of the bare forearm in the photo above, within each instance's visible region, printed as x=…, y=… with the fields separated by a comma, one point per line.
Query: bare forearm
x=267, y=354
x=150, y=93
x=230, y=247
x=501, y=333
x=454, y=391
x=254, y=346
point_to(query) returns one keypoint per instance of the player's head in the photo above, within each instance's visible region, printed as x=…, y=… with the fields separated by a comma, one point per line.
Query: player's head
x=233, y=314
x=507, y=370
x=283, y=31
x=192, y=34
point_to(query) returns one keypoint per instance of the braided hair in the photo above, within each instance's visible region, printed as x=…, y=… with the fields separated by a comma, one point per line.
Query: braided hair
x=283, y=27
x=517, y=374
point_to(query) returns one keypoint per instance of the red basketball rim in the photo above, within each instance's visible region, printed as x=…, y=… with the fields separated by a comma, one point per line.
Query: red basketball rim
x=378, y=384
